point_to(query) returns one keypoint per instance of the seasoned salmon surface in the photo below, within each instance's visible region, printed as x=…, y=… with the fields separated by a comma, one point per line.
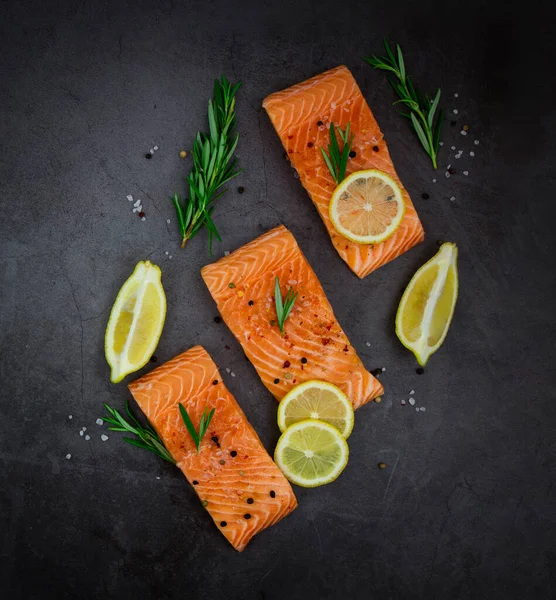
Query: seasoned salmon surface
x=302, y=115
x=314, y=345
x=236, y=480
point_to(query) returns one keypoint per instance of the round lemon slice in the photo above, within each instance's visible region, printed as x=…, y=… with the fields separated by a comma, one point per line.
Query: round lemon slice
x=367, y=207
x=311, y=453
x=427, y=305
x=135, y=322
x=316, y=400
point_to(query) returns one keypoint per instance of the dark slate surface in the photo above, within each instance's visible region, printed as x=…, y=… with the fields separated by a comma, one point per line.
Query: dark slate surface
x=465, y=507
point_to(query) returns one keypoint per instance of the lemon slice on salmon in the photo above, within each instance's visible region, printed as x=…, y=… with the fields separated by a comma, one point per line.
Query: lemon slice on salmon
x=367, y=207
x=311, y=453
x=316, y=400
x=135, y=322
x=427, y=305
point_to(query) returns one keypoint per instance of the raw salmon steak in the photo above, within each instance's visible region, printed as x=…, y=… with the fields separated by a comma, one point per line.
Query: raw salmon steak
x=302, y=115
x=236, y=480
x=313, y=346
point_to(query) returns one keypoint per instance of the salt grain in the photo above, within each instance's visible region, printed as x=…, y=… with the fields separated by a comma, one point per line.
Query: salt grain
x=166, y=252
x=476, y=142
x=411, y=392
x=227, y=370
x=367, y=343
x=472, y=153
x=455, y=111
x=143, y=218
x=156, y=148
x=423, y=409
x=151, y=151
x=403, y=402
x=232, y=374
x=84, y=428
x=333, y=105
x=170, y=257
x=68, y=456
x=447, y=175
x=452, y=198
x=226, y=253
x=434, y=180
x=463, y=132
x=448, y=167
x=452, y=148
x=383, y=369
x=103, y=437
x=99, y=421
x=412, y=401
x=456, y=95
x=137, y=203
x=129, y=197
x=70, y=416
x=466, y=173
x=168, y=221
x=417, y=408
x=441, y=143
x=81, y=432
x=87, y=437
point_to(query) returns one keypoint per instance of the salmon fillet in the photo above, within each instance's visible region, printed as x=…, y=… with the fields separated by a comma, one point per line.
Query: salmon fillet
x=301, y=116
x=242, y=489
x=314, y=346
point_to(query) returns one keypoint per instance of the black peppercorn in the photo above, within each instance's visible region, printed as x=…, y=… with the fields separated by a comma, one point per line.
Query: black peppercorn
x=251, y=303
x=250, y=501
x=310, y=145
x=218, y=319
x=320, y=123
x=215, y=382
x=425, y=196
x=375, y=148
x=153, y=358
x=352, y=154
x=195, y=482
x=148, y=155
x=272, y=494
x=419, y=370
x=276, y=381
x=304, y=360
x=223, y=523
x=246, y=516
x=233, y=453
x=214, y=438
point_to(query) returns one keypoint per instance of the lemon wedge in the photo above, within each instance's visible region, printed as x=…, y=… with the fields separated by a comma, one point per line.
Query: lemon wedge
x=316, y=400
x=367, y=207
x=311, y=453
x=427, y=305
x=135, y=322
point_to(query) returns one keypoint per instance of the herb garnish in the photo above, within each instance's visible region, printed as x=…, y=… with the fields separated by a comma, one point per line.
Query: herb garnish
x=211, y=165
x=422, y=109
x=203, y=425
x=283, y=307
x=148, y=438
x=336, y=160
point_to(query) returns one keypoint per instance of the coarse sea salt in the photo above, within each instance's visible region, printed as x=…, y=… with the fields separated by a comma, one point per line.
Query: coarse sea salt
x=411, y=392
x=129, y=197
x=143, y=218
x=99, y=421
x=412, y=401
x=137, y=203
x=232, y=374
x=434, y=180
x=455, y=111
x=367, y=343
x=68, y=456
x=168, y=221
x=452, y=147
x=87, y=437
x=456, y=95
x=103, y=437
x=403, y=403
x=447, y=175
x=422, y=409
x=472, y=153
x=441, y=143
x=70, y=416
x=156, y=148
x=417, y=409
x=81, y=432
x=228, y=370
x=463, y=132
x=452, y=198
x=466, y=173
x=226, y=253
x=476, y=142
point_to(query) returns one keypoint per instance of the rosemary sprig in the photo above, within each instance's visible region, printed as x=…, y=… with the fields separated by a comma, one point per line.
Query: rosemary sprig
x=147, y=437
x=203, y=425
x=283, y=307
x=213, y=165
x=421, y=108
x=336, y=159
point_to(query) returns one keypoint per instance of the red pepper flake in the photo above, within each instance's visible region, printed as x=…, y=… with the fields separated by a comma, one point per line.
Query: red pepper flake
x=290, y=137
x=346, y=348
x=287, y=364
x=227, y=347
x=326, y=341
x=290, y=151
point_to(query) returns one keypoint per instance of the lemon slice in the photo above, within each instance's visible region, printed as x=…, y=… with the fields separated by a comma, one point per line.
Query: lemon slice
x=428, y=303
x=367, y=207
x=316, y=400
x=135, y=322
x=311, y=453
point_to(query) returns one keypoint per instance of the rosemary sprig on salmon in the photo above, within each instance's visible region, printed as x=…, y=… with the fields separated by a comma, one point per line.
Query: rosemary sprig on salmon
x=336, y=159
x=422, y=110
x=206, y=418
x=283, y=306
x=147, y=437
x=213, y=165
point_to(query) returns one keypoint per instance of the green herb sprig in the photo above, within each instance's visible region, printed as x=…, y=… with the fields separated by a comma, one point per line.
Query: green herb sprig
x=336, y=159
x=422, y=109
x=213, y=165
x=146, y=437
x=283, y=306
x=203, y=425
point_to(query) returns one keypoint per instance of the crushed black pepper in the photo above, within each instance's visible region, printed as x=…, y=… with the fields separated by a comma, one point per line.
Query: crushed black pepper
x=425, y=196
x=153, y=358
x=276, y=381
x=214, y=438
x=240, y=189
x=195, y=482
x=148, y=155
x=218, y=319
x=287, y=364
x=272, y=494
x=376, y=372
x=419, y=370
x=215, y=382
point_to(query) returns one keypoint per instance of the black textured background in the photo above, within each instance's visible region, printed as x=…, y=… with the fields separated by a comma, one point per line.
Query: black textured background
x=465, y=507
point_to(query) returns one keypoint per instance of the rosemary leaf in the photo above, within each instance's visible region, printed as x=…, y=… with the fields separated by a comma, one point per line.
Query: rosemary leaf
x=285, y=306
